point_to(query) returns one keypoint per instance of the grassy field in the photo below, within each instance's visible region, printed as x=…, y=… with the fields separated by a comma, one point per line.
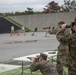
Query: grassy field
x=18, y=71
x=26, y=71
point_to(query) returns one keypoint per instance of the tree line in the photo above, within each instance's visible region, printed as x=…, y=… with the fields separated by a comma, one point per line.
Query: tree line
x=51, y=7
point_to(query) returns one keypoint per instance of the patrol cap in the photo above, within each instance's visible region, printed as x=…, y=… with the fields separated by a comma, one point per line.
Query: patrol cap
x=73, y=23
x=44, y=56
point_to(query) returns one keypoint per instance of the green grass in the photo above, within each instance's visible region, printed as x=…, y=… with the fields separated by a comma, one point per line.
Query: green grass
x=26, y=70
x=18, y=71
x=65, y=71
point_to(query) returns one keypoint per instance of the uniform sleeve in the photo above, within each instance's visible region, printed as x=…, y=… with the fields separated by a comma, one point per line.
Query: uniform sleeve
x=34, y=66
x=62, y=37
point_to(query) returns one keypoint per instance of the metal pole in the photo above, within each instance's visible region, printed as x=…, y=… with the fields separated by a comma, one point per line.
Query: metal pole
x=31, y=72
x=22, y=68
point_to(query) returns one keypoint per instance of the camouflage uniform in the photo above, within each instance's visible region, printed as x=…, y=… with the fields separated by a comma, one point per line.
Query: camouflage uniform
x=63, y=53
x=46, y=67
x=72, y=50
x=72, y=62
x=71, y=40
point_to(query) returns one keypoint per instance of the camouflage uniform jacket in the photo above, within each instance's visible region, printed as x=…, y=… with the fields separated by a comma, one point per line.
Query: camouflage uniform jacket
x=63, y=49
x=46, y=68
x=72, y=51
x=73, y=47
x=71, y=40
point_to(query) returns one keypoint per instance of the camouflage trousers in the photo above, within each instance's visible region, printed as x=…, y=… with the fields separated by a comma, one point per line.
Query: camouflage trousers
x=72, y=61
x=72, y=68
x=62, y=60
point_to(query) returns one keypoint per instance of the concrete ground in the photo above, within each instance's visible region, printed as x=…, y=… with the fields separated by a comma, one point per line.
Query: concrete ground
x=18, y=46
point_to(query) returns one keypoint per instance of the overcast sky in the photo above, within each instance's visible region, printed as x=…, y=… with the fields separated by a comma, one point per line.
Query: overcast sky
x=21, y=5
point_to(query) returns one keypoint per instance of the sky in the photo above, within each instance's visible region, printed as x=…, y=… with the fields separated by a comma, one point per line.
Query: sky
x=21, y=5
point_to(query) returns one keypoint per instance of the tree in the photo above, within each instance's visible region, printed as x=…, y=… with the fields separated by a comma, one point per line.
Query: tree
x=52, y=7
x=30, y=10
x=69, y=5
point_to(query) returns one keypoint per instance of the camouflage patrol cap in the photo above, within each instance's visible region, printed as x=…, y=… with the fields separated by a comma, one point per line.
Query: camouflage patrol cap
x=44, y=56
x=73, y=23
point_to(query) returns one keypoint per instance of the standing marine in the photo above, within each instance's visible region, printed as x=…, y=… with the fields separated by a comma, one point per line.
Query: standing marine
x=63, y=48
x=72, y=50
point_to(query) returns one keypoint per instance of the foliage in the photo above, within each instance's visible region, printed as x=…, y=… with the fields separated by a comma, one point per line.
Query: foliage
x=30, y=10
x=52, y=7
x=69, y=5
